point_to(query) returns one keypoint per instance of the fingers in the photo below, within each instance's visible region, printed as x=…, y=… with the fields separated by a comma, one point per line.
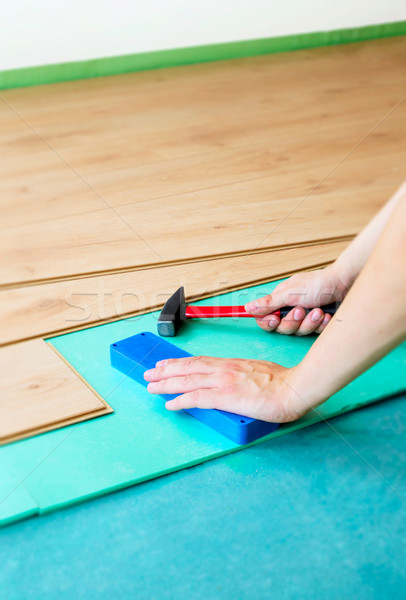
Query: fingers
x=311, y=322
x=325, y=321
x=293, y=320
x=268, y=322
x=265, y=305
x=196, y=399
x=201, y=381
x=296, y=322
x=174, y=367
x=288, y=325
x=183, y=384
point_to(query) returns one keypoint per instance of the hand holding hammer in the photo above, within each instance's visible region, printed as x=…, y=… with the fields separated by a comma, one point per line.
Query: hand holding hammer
x=176, y=311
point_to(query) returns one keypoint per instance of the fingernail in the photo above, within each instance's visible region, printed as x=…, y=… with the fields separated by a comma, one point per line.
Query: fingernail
x=161, y=363
x=273, y=322
x=298, y=314
x=317, y=315
x=151, y=387
x=148, y=373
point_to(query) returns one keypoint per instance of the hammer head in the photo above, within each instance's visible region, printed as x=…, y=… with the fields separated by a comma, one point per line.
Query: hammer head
x=173, y=314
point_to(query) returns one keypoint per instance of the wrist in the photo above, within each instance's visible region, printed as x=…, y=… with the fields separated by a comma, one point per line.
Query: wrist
x=342, y=273
x=306, y=389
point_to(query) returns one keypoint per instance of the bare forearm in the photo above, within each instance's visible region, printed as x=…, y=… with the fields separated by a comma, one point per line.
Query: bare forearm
x=352, y=260
x=370, y=322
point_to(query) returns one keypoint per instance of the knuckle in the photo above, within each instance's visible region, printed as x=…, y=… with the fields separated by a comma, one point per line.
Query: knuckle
x=228, y=378
x=196, y=398
x=189, y=361
x=272, y=324
x=265, y=301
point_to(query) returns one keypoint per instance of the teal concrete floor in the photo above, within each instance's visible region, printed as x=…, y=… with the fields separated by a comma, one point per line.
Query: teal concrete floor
x=320, y=513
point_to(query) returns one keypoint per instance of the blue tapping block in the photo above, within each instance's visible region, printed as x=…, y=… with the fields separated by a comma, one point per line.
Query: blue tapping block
x=135, y=355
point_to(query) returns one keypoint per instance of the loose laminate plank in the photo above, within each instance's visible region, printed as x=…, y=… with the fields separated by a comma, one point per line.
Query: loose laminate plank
x=41, y=392
x=47, y=309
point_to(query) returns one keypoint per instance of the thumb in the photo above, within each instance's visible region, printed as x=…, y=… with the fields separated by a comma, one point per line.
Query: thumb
x=266, y=305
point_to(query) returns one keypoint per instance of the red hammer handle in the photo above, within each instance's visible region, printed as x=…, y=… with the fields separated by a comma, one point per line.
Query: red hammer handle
x=206, y=312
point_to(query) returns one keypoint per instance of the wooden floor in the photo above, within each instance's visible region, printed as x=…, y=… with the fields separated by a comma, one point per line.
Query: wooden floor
x=41, y=392
x=213, y=176
x=40, y=310
x=161, y=167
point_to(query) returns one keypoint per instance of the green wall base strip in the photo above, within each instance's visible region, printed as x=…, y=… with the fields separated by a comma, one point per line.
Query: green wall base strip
x=115, y=65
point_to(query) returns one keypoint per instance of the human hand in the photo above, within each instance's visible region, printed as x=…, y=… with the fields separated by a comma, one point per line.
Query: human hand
x=311, y=289
x=253, y=388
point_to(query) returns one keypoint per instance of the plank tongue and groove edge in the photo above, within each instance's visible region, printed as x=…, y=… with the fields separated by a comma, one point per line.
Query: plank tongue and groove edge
x=40, y=391
x=47, y=309
x=275, y=170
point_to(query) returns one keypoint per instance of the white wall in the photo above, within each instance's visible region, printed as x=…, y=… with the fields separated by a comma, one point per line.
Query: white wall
x=37, y=32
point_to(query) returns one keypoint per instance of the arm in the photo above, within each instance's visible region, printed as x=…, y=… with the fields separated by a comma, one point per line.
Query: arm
x=349, y=264
x=370, y=322
x=316, y=288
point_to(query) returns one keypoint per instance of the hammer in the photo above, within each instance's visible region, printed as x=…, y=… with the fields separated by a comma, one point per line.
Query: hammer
x=176, y=311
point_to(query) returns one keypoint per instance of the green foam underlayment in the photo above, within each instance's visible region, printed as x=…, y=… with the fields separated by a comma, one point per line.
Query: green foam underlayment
x=115, y=65
x=143, y=440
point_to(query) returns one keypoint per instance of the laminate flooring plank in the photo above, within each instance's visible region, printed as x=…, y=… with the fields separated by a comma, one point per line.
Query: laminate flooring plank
x=35, y=184
x=39, y=392
x=209, y=106
x=71, y=245
x=190, y=108
x=203, y=160
x=42, y=310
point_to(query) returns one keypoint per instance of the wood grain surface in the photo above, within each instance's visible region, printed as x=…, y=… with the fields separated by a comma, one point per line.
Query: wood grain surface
x=40, y=391
x=42, y=310
x=115, y=191
x=167, y=166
